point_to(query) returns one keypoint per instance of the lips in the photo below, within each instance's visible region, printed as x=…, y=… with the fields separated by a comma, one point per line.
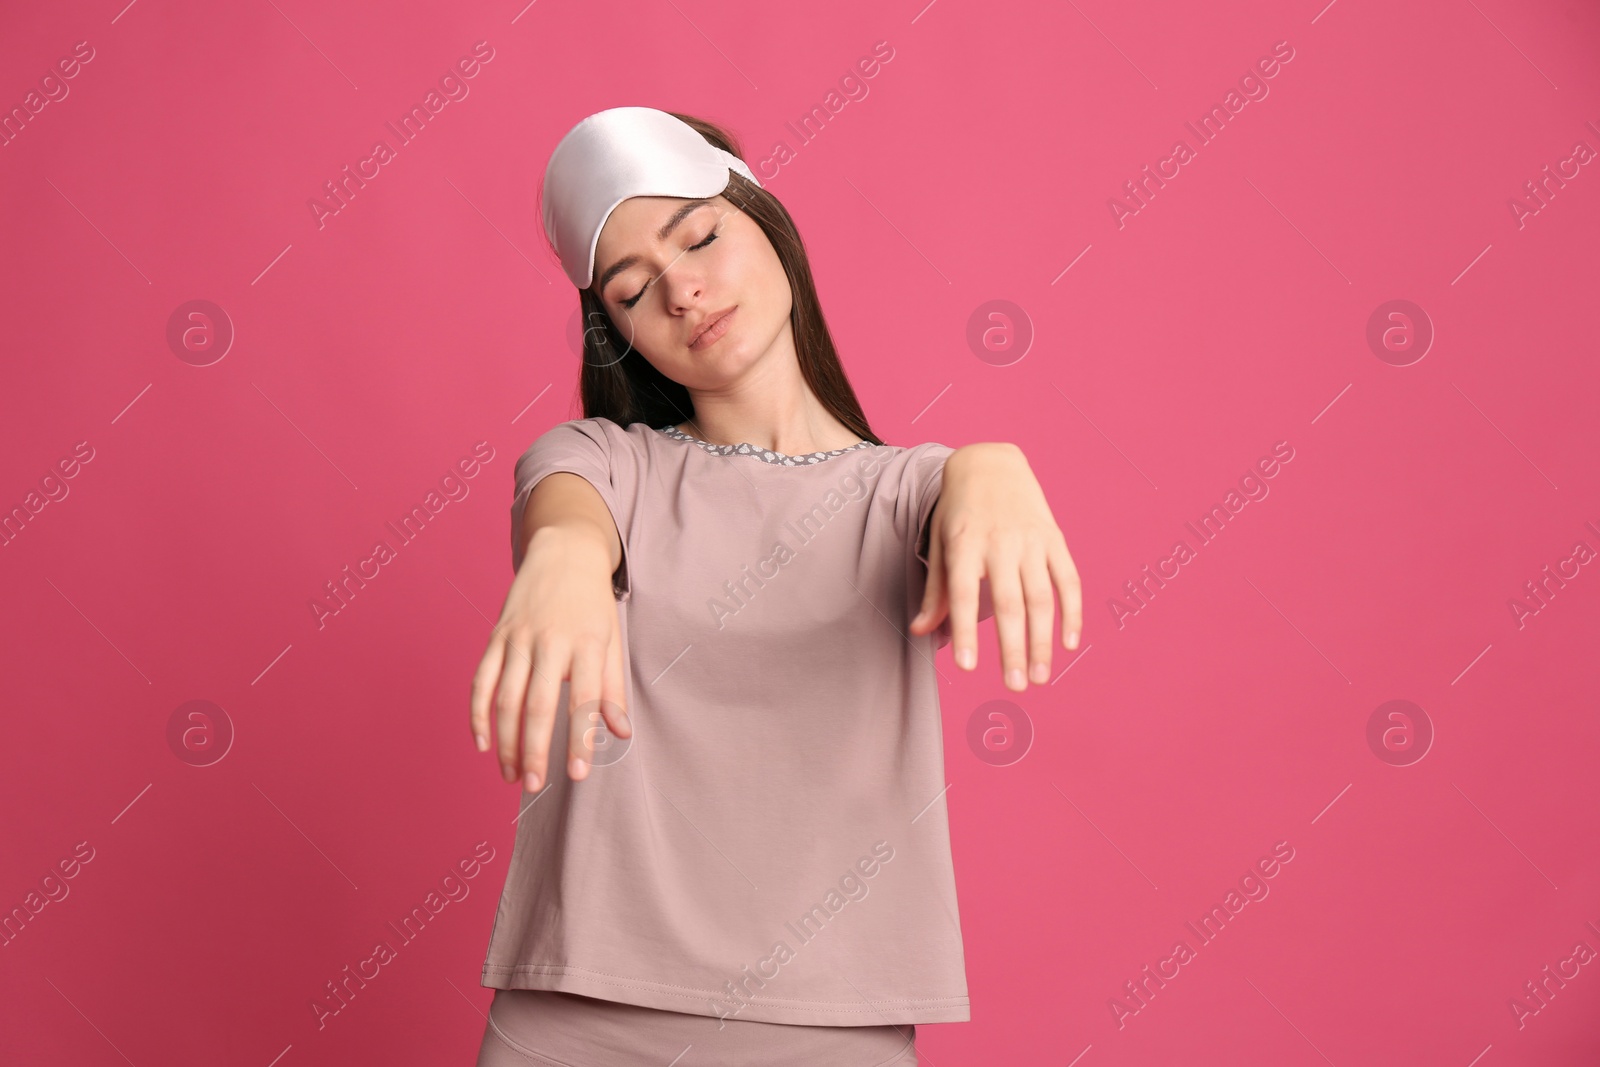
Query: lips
x=711, y=328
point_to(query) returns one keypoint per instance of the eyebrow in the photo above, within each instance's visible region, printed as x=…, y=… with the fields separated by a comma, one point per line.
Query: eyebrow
x=661, y=235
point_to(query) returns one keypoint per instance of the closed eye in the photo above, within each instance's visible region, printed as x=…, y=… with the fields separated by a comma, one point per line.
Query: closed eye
x=712, y=236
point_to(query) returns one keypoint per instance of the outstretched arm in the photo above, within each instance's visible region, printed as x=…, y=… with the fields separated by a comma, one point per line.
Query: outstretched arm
x=559, y=622
x=992, y=521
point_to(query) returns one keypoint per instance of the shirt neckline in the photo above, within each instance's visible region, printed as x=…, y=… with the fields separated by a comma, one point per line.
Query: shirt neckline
x=764, y=454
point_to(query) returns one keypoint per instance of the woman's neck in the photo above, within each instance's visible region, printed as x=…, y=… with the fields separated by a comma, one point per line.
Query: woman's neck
x=781, y=415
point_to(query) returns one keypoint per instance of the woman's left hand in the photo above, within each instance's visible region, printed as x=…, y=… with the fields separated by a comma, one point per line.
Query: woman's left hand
x=992, y=521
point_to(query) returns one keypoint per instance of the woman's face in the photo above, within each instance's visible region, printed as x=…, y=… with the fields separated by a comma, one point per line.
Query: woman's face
x=684, y=263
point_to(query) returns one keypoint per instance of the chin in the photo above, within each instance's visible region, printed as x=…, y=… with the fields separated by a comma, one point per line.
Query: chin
x=718, y=367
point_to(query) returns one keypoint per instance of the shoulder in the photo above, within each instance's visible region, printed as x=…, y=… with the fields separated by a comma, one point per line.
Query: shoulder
x=595, y=434
x=928, y=452
x=597, y=428
x=903, y=470
x=906, y=476
x=924, y=463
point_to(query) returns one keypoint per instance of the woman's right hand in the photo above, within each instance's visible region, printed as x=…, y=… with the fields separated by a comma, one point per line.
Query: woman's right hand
x=559, y=622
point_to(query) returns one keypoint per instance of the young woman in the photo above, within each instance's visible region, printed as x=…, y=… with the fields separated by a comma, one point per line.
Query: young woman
x=727, y=599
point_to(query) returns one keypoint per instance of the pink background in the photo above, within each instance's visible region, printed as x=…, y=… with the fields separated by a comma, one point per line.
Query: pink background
x=1229, y=313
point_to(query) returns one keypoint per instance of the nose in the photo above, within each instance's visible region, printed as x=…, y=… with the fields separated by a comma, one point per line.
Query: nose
x=683, y=285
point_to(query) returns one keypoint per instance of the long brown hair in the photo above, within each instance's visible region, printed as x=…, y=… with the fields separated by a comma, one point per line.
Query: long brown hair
x=619, y=384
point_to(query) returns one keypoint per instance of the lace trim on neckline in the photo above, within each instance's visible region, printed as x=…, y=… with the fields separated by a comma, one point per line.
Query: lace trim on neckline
x=763, y=454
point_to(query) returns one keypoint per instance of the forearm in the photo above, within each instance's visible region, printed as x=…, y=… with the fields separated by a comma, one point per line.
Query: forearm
x=983, y=460
x=565, y=507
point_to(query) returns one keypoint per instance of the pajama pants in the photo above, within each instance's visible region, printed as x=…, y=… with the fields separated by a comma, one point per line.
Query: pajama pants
x=543, y=1028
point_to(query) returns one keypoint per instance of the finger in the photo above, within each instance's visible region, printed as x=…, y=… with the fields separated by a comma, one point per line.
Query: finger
x=1065, y=574
x=1010, y=619
x=483, y=688
x=1041, y=607
x=508, y=700
x=966, y=569
x=548, y=666
x=614, y=686
x=584, y=729
x=933, y=608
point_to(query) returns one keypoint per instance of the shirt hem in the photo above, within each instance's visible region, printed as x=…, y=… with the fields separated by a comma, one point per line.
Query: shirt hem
x=705, y=1002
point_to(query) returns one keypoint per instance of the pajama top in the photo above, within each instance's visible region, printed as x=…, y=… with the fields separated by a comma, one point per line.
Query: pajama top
x=772, y=842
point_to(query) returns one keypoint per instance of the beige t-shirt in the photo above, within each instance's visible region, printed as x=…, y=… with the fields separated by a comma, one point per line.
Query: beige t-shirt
x=771, y=843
